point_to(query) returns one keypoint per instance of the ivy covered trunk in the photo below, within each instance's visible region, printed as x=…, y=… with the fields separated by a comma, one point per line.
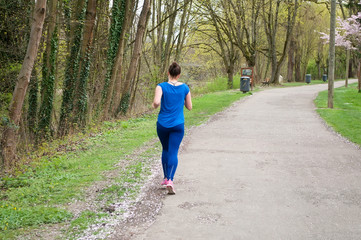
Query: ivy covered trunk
x=118, y=13
x=116, y=73
x=47, y=87
x=33, y=104
x=48, y=72
x=9, y=139
x=119, y=59
x=81, y=97
x=71, y=69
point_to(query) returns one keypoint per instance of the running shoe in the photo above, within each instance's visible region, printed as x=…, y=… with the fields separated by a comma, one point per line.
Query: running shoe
x=165, y=182
x=170, y=187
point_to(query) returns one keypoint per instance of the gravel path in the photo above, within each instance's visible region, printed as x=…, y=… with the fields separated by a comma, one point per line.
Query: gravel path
x=266, y=168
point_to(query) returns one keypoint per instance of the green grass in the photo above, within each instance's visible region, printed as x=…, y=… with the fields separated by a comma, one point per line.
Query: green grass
x=60, y=171
x=313, y=82
x=219, y=84
x=345, y=117
x=295, y=84
x=81, y=223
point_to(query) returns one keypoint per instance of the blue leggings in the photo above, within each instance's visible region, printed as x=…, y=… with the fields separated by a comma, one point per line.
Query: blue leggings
x=170, y=139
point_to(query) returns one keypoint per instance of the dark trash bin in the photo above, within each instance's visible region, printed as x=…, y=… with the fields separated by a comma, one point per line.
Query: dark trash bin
x=324, y=77
x=308, y=78
x=245, y=84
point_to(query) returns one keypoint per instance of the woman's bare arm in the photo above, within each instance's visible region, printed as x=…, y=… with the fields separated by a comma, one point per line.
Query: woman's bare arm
x=188, y=101
x=157, y=97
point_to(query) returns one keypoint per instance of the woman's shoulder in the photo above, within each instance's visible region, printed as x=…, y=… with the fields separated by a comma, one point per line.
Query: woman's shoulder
x=186, y=86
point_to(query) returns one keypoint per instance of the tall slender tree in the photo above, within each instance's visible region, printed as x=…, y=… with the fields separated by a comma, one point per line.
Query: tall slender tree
x=81, y=96
x=271, y=25
x=118, y=14
x=331, y=68
x=139, y=38
x=114, y=90
x=9, y=139
x=72, y=68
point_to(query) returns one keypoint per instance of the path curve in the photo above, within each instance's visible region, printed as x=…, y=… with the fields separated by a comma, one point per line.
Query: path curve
x=266, y=168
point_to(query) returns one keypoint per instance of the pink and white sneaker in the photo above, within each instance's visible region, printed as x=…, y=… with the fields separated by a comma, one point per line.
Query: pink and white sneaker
x=165, y=182
x=170, y=187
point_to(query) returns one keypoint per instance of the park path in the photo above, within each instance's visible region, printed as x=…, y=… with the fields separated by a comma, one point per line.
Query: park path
x=266, y=168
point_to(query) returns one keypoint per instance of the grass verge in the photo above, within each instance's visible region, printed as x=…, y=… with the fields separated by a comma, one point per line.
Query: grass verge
x=219, y=84
x=40, y=192
x=313, y=82
x=345, y=117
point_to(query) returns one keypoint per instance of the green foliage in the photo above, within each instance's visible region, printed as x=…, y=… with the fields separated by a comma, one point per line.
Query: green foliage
x=14, y=33
x=47, y=88
x=340, y=64
x=118, y=13
x=5, y=99
x=346, y=114
x=14, y=30
x=218, y=84
x=312, y=69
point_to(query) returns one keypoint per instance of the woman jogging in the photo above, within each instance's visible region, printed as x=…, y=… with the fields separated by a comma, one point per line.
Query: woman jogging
x=171, y=96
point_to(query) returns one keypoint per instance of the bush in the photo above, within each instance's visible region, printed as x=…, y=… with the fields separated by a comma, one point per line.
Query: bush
x=312, y=69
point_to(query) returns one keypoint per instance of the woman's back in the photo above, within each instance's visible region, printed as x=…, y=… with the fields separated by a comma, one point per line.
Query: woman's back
x=172, y=103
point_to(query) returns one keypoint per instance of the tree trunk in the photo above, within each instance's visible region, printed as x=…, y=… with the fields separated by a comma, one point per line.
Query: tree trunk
x=125, y=96
x=135, y=88
x=116, y=79
x=86, y=50
x=298, y=77
x=33, y=103
x=331, y=69
x=291, y=61
x=160, y=35
x=359, y=75
x=347, y=66
x=9, y=140
x=48, y=89
x=168, y=49
x=99, y=60
x=51, y=23
x=182, y=29
x=319, y=59
x=230, y=73
x=71, y=70
x=271, y=28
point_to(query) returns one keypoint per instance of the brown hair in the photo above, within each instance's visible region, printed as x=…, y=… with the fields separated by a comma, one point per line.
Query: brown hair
x=174, y=69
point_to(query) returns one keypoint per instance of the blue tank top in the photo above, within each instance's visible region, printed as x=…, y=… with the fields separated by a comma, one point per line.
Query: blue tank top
x=172, y=103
